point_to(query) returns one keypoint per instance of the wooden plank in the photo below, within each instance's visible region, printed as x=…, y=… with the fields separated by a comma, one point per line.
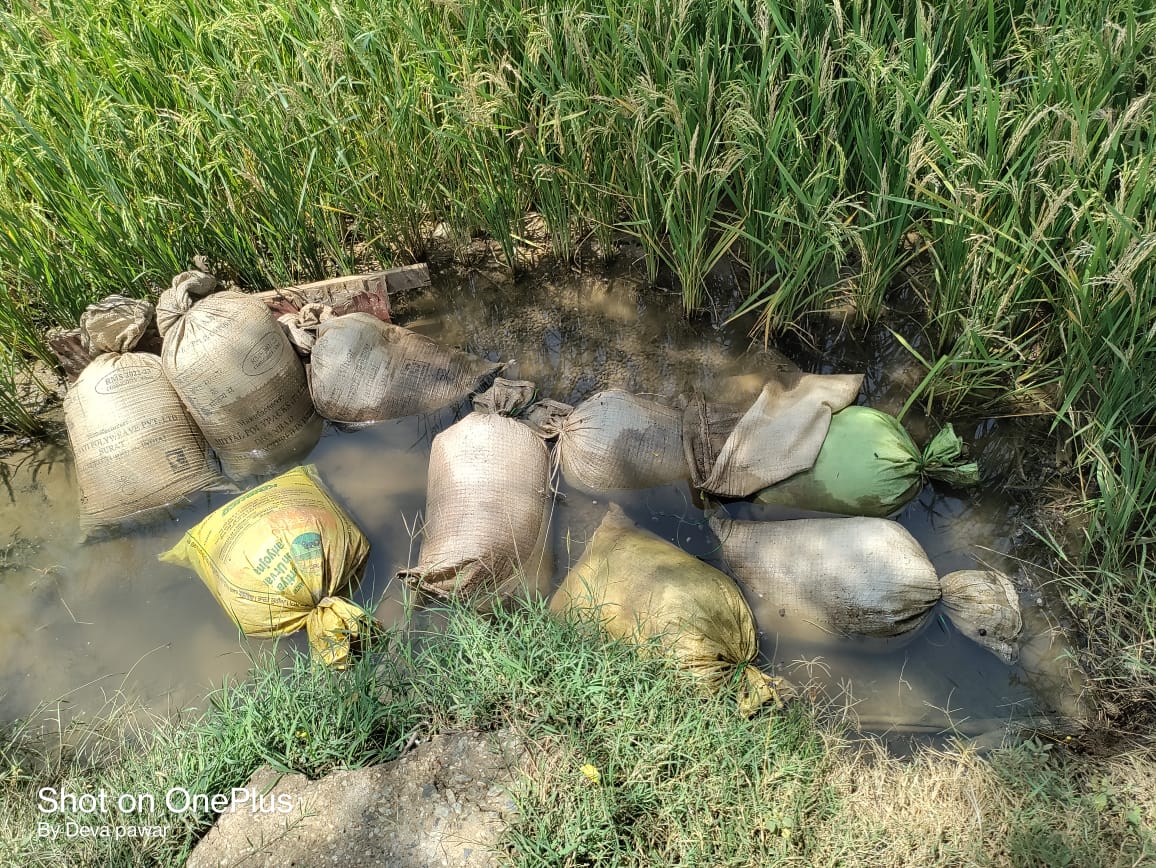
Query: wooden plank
x=368, y=293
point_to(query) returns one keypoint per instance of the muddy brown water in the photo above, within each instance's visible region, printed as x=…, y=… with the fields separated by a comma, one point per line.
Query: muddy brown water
x=83, y=624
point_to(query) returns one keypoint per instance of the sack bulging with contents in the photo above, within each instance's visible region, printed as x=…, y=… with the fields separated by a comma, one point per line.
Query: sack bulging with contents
x=864, y=576
x=238, y=375
x=365, y=370
x=870, y=466
x=487, y=510
x=639, y=586
x=137, y=450
x=615, y=440
x=277, y=556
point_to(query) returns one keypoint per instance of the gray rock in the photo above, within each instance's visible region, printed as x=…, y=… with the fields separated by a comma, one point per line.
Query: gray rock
x=401, y=814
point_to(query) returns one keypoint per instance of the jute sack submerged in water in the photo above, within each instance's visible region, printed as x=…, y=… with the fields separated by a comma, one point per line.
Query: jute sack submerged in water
x=616, y=440
x=238, y=375
x=869, y=465
x=640, y=587
x=736, y=451
x=136, y=449
x=487, y=508
x=276, y=558
x=865, y=576
x=366, y=370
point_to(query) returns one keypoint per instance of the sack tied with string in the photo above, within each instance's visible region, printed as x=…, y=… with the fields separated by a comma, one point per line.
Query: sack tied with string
x=865, y=576
x=277, y=558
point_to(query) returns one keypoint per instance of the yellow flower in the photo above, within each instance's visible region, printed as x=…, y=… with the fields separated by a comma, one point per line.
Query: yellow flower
x=302, y=734
x=591, y=771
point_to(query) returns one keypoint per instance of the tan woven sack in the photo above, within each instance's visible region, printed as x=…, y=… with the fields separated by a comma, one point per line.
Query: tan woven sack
x=136, y=449
x=616, y=440
x=863, y=576
x=239, y=377
x=487, y=510
x=365, y=370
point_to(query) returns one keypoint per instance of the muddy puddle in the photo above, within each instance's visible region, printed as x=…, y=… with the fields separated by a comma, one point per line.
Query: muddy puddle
x=82, y=624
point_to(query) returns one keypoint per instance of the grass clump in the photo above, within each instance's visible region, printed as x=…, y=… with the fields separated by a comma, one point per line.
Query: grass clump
x=632, y=765
x=680, y=778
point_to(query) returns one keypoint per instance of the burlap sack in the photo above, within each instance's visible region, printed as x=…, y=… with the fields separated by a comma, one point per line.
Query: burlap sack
x=136, y=449
x=734, y=451
x=487, y=510
x=862, y=576
x=616, y=440
x=239, y=377
x=638, y=586
x=364, y=370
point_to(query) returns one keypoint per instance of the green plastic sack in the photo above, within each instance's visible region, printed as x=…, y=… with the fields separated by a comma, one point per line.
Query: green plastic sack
x=870, y=466
x=642, y=587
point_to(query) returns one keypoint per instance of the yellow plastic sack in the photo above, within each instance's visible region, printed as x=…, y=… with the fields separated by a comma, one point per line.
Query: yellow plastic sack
x=643, y=587
x=276, y=557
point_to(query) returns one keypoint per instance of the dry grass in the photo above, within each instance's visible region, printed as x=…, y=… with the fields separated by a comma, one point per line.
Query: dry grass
x=1025, y=805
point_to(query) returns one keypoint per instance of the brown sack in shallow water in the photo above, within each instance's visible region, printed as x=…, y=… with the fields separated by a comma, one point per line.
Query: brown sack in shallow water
x=239, y=377
x=735, y=451
x=136, y=449
x=487, y=510
x=616, y=440
x=364, y=370
x=863, y=576
x=643, y=587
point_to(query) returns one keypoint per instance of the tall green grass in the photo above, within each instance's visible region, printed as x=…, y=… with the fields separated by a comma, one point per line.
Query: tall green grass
x=995, y=159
